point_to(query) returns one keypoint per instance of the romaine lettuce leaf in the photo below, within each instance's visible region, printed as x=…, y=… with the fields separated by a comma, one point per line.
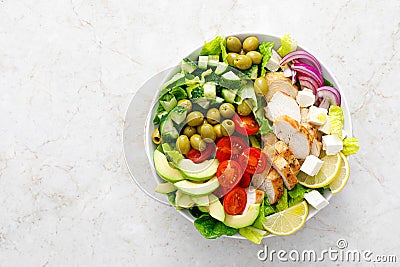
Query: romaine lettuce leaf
x=214, y=47
x=350, y=146
x=287, y=45
x=212, y=228
x=336, y=119
x=253, y=234
x=282, y=202
x=265, y=49
x=296, y=195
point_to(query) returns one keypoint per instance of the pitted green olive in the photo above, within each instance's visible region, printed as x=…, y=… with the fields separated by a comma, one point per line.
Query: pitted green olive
x=255, y=57
x=197, y=142
x=228, y=127
x=233, y=44
x=194, y=118
x=189, y=131
x=244, y=108
x=183, y=144
x=218, y=131
x=260, y=86
x=156, y=137
x=186, y=104
x=227, y=110
x=250, y=43
x=242, y=62
x=198, y=128
x=231, y=58
x=213, y=116
x=207, y=133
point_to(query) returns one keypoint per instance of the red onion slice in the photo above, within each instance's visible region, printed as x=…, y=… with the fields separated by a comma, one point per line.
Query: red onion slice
x=307, y=82
x=302, y=56
x=309, y=71
x=327, y=94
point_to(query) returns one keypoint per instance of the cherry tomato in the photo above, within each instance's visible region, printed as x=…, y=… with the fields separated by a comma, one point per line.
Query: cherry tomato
x=229, y=173
x=230, y=148
x=235, y=201
x=199, y=156
x=245, y=181
x=253, y=160
x=245, y=125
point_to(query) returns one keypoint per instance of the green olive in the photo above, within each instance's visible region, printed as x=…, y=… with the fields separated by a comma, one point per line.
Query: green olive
x=156, y=137
x=228, y=127
x=207, y=133
x=213, y=116
x=233, y=44
x=242, y=62
x=227, y=110
x=198, y=128
x=194, y=118
x=197, y=142
x=183, y=144
x=218, y=130
x=250, y=43
x=186, y=104
x=244, y=108
x=189, y=131
x=260, y=86
x=231, y=58
x=255, y=57
x=242, y=52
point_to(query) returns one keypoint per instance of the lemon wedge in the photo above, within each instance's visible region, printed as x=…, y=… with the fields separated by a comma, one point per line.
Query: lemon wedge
x=341, y=179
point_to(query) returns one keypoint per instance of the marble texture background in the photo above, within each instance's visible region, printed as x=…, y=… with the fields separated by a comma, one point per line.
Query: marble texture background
x=68, y=70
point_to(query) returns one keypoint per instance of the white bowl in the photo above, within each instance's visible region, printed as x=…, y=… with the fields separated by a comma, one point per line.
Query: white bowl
x=149, y=127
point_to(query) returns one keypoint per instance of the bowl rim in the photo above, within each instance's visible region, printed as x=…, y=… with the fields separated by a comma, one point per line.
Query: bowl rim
x=348, y=123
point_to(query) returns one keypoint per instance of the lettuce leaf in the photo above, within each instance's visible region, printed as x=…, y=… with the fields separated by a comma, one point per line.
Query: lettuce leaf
x=253, y=234
x=350, y=146
x=282, y=202
x=265, y=127
x=217, y=46
x=296, y=195
x=336, y=119
x=265, y=49
x=287, y=45
x=211, y=228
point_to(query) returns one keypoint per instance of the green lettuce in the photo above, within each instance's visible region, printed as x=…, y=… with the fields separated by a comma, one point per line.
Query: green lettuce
x=282, y=202
x=253, y=234
x=350, y=146
x=336, y=119
x=263, y=123
x=211, y=228
x=287, y=45
x=296, y=195
x=217, y=46
x=265, y=49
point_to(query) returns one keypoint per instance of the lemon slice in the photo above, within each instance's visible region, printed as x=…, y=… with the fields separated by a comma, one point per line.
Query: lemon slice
x=326, y=174
x=287, y=221
x=341, y=179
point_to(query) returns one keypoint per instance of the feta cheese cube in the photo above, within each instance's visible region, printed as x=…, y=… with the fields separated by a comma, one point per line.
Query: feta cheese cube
x=311, y=165
x=326, y=127
x=305, y=98
x=273, y=63
x=315, y=199
x=317, y=116
x=202, y=63
x=331, y=144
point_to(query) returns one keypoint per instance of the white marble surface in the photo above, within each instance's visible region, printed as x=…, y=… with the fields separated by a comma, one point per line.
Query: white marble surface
x=68, y=70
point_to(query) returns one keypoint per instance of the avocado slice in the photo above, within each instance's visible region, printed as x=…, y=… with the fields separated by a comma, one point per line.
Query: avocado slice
x=183, y=200
x=165, y=188
x=163, y=168
x=216, y=209
x=198, y=172
x=245, y=219
x=201, y=201
x=198, y=189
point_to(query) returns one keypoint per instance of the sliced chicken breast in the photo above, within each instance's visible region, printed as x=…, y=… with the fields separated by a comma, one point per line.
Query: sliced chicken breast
x=282, y=104
x=269, y=139
x=285, y=152
x=276, y=82
x=303, y=114
x=294, y=135
x=270, y=183
x=316, y=147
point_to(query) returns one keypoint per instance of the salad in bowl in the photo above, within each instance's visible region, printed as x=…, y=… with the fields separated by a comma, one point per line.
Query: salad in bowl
x=250, y=137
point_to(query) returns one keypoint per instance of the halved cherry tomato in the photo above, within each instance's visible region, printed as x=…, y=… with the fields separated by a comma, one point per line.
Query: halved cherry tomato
x=235, y=201
x=245, y=181
x=229, y=173
x=253, y=160
x=245, y=125
x=230, y=148
x=199, y=156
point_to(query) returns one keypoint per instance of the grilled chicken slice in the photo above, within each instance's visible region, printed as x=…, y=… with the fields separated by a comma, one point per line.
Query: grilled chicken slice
x=282, y=104
x=294, y=135
x=276, y=82
x=270, y=183
x=285, y=152
x=269, y=139
x=303, y=114
x=316, y=147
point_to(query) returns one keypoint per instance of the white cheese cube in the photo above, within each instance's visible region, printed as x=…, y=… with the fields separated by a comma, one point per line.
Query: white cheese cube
x=331, y=144
x=326, y=127
x=315, y=199
x=273, y=62
x=202, y=63
x=305, y=98
x=311, y=165
x=317, y=116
